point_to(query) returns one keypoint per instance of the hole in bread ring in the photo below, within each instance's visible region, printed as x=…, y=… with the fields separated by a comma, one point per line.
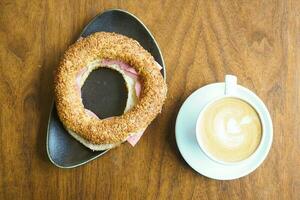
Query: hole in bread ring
x=108, y=88
x=100, y=134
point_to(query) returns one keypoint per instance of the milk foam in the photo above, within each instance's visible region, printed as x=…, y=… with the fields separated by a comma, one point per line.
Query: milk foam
x=230, y=129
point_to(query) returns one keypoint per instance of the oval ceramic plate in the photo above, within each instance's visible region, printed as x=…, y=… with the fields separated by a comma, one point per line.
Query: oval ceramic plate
x=62, y=149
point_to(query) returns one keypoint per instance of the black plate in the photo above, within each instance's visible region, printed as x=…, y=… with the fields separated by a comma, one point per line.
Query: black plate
x=63, y=150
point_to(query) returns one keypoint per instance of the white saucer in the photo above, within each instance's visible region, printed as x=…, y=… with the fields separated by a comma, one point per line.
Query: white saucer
x=186, y=135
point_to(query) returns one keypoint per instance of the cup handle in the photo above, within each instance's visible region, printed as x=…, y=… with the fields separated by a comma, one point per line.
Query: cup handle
x=230, y=84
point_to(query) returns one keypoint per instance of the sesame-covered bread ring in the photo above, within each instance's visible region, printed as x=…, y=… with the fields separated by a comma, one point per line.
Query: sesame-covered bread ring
x=114, y=130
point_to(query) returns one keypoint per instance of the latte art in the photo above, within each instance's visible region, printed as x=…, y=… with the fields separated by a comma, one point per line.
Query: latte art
x=230, y=129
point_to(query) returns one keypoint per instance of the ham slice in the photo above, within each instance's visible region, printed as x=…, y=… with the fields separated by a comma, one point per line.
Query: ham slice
x=130, y=71
x=138, y=88
x=133, y=140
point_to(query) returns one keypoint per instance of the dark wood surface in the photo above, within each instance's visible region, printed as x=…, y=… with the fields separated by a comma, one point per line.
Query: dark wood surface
x=201, y=41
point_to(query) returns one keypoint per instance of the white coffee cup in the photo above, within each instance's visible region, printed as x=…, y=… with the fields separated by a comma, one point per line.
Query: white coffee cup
x=230, y=91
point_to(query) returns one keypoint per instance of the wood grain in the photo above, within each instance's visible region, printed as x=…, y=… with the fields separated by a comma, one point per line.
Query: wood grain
x=201, y=41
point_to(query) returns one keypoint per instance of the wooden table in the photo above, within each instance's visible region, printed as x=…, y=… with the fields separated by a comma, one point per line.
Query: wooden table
x=259, y=41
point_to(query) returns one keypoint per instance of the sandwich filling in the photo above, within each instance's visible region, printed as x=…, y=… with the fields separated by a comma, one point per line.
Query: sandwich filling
x=133, y=85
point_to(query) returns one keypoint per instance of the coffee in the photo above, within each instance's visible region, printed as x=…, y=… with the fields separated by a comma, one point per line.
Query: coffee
x=230, y=129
